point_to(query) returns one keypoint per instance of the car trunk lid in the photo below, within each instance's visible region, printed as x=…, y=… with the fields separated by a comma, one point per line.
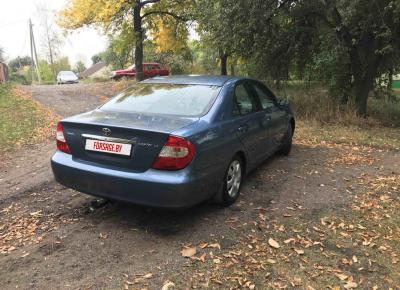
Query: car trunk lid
x=147, y=135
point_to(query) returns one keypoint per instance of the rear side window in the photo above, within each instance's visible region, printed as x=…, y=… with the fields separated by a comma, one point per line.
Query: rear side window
x=165, y=99
x=243, y=102
x=266, y=98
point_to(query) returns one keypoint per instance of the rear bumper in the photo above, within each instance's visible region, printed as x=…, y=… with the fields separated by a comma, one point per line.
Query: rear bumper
x=151, y=188
x=68, y=82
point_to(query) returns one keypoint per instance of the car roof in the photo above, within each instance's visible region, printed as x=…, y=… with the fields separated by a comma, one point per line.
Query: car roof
x=193, y=80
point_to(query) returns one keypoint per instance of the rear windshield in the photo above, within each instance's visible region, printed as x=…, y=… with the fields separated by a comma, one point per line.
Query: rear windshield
x=165, y=99
x=67, y=73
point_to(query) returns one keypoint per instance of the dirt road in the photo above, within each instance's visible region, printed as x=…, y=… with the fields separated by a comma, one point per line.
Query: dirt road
x=56, y=238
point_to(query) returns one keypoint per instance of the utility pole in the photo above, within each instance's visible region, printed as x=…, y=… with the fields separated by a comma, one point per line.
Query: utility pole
x=33, y=52
x=32, y=61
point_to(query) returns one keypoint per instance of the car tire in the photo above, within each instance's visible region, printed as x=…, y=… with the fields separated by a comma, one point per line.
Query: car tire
x=287, y=142
x=232, y=182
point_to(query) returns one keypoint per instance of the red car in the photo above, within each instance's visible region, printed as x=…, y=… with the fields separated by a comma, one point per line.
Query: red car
x=149, y=69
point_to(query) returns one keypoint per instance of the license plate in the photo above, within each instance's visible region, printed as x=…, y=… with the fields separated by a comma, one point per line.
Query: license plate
x=108, y=147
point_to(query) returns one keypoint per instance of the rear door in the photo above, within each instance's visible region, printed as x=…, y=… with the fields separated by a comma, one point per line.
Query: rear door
x=248, y=120
x=275, y=120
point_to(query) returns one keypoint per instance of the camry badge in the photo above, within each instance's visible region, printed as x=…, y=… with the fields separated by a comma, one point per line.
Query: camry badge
x=106, y=131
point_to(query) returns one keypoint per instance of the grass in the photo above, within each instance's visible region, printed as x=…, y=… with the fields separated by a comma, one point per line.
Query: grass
x=379, y=137
x=22, y=120
x=321, y=118
x=313, y=102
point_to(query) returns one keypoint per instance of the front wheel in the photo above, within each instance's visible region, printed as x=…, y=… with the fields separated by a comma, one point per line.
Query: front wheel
x=232, y=181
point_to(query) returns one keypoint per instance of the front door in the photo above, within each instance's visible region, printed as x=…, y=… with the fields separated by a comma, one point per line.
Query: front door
x=275, y=119
x=248, y=120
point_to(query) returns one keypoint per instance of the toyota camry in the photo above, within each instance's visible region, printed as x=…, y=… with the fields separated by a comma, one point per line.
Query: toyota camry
x=174, y=142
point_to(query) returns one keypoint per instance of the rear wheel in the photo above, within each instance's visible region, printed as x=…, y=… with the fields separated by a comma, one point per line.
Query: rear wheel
x=287, y=141
x=232, y=181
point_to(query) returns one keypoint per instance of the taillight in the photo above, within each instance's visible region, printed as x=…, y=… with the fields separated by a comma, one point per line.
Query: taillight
x=176, y=154
x=61, y=142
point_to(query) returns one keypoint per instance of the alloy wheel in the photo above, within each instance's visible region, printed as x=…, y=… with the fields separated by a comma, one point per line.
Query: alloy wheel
x=234, y=178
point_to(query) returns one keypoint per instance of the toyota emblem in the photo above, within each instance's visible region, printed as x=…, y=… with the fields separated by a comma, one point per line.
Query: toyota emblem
x=106, y=131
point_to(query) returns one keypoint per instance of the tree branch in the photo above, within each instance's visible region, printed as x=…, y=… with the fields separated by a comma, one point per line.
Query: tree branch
x=180, y=18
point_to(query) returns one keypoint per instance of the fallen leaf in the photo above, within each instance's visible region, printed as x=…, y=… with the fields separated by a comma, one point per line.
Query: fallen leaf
x=299, y=252
x=188, y=252
x=148, y=276
x=342, y=277
x=202, y=258
x=167, y=285
x=273, y=243
x=291, y=240
x=350, y=285
x=215, y=245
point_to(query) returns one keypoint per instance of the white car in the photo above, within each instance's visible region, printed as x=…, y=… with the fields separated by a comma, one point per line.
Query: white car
x=67, y=77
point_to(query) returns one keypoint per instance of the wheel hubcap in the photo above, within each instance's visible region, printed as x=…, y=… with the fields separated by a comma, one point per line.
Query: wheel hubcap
x=234, y=178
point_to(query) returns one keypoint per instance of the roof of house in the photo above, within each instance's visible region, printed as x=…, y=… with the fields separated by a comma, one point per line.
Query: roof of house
x=93, y=69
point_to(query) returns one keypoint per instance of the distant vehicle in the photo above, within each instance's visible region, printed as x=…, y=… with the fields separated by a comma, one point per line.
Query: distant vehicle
x=149, y=69
x=67, y=77
x=174, y=142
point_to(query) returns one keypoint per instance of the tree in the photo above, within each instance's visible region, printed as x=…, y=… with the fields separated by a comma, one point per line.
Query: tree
x=19, y=62
x=97, y=58
x=1, y=54
x=62, y=64
x=119, y=52
x=226, y=25
x=351, y=42
x=50, y=36
x=365, y=36
x=79, y=67
x=213, y=22
x=111, y=14
x=370, y=32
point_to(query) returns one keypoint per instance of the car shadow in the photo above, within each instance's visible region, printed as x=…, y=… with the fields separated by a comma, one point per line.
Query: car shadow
x=257, y=192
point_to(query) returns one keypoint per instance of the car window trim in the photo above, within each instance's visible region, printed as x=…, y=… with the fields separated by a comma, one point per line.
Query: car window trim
x=251, y=95
x=269, y=92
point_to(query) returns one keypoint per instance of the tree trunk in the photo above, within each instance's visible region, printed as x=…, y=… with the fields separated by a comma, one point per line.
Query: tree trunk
x=346, y=85
x=364, y=83
x=137, y=23
x=224, y=62
x=361, y=91
x=232, y=69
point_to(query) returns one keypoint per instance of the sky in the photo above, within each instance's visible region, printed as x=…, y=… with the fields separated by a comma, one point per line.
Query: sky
x=80, y=45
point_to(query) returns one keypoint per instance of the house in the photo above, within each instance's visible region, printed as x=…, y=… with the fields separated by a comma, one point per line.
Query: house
x=96, y=71
x=3, y=72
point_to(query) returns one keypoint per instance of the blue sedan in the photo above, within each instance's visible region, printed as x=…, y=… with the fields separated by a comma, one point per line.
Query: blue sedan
x=173, y=142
